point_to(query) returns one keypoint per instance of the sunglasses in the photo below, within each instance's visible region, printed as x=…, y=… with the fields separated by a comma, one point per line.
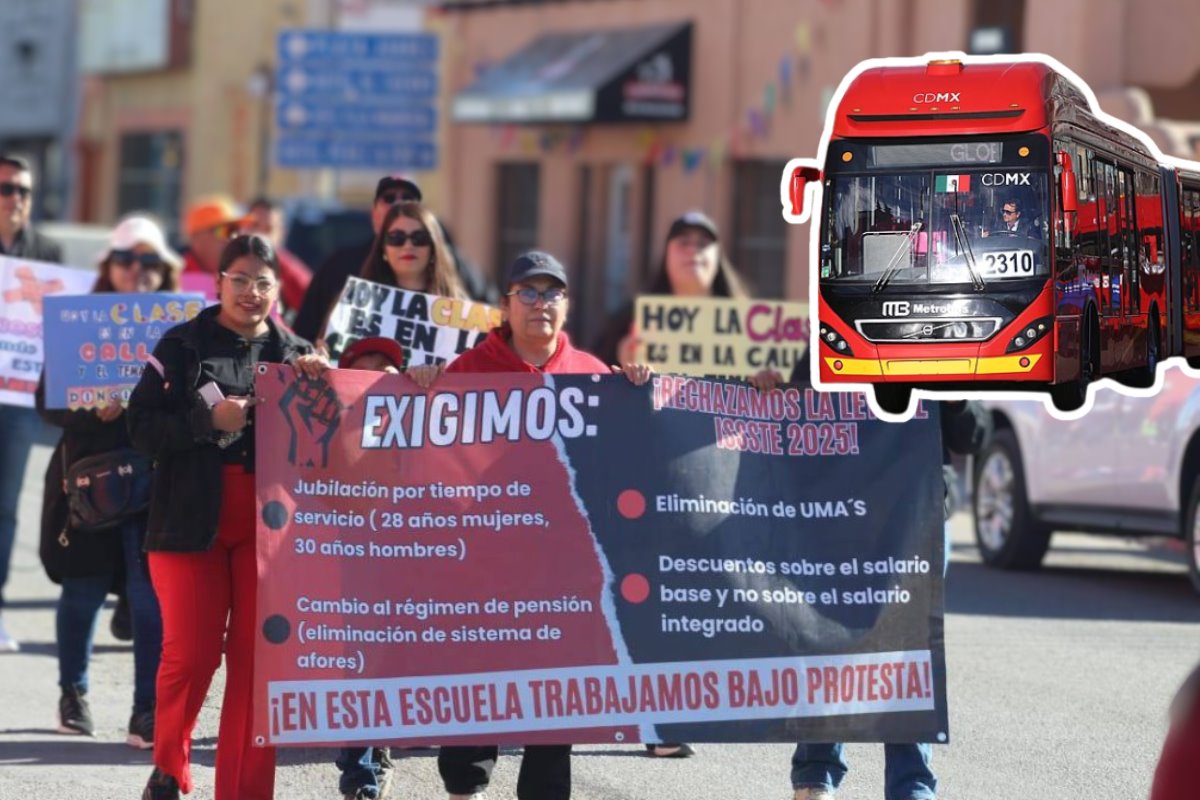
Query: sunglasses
x=529, y=296
x=127, y=258
x=391, y=198
x=8, y=189
x=401, y=238
x=1010, y=211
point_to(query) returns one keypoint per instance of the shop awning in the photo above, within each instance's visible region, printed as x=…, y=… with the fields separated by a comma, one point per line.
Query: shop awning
x=638, y=74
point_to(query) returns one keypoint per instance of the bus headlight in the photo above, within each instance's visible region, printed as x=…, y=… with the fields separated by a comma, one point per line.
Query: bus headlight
x=831, y=338
x=1031, y=334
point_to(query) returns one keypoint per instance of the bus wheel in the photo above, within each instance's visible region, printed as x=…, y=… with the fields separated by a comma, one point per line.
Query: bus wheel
x=1144, y=378
x=1007, y=533
x=1191, y=534
x=1071, y=396
x=892, y=398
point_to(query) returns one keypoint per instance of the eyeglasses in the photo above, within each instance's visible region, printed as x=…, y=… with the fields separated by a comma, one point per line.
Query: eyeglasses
x=529, y=296
x=1008, y=212
x=391, y=198
x=398, y=238
x=8, y=189
x=241, y=284
x=127, y=258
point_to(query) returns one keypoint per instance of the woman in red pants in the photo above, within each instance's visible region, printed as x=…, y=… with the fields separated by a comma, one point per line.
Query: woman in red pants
x=193, y=411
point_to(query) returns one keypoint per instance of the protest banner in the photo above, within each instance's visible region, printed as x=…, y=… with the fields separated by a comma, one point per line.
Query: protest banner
x=24, y=285
x=97, y=344
x=719, y=336
x=536, y=558
x=432, y=329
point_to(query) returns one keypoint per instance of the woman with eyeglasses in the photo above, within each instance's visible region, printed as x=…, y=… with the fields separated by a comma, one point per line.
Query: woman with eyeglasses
x=193, y=411
x=531, y=340
x=91, y=564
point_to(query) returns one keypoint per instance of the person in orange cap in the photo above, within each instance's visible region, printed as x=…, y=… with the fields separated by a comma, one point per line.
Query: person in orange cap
x=210, y=222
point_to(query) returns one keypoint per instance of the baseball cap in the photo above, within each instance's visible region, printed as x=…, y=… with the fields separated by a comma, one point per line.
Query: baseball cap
x=381, y=345
x=135, y=230
x=693, y=219
x=211, y=212
x=534, y=263
x=396, y=183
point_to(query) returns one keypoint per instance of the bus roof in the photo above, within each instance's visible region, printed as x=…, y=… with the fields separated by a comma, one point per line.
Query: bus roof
x=952, y=97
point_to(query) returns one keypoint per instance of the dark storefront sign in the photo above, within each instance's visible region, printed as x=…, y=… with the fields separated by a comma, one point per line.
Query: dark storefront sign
x=628, y=75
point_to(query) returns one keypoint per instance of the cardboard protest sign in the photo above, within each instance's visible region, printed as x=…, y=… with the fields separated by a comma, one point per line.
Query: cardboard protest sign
x=24, y=286
x=720, y=336
x=536, y=558
x=432, y=329
x=97, y=344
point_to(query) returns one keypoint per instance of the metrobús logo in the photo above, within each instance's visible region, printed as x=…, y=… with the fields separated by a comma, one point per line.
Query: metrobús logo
x=903, y=308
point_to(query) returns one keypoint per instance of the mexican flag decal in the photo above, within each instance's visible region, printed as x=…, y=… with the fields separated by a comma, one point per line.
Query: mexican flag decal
x=953, y=183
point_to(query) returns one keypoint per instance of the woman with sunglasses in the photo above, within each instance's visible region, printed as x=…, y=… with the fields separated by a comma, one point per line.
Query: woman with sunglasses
x=90, y=565
x=409, y=253
x=192, y=411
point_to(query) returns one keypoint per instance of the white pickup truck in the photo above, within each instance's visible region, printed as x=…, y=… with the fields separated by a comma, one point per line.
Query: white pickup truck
x=1131, y=466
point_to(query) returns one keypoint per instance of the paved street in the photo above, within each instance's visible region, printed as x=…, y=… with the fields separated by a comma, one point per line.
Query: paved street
x=1059, y=683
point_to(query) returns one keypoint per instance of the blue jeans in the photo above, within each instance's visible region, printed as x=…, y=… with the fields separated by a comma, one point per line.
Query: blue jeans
x=79, y=606
x=20, y=429
x=361, y=770
x=908, y=774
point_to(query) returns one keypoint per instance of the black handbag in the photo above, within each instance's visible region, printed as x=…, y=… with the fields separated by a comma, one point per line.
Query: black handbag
x=106, y=489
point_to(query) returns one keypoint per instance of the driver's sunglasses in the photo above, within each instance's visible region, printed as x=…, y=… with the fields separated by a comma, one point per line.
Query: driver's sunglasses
x=1008, y=212
x=529, y=296
x=127, y=258
x=8, y=189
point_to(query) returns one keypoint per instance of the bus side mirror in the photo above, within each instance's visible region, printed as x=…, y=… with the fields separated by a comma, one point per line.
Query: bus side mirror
x=796, y=185
x=1067, y=191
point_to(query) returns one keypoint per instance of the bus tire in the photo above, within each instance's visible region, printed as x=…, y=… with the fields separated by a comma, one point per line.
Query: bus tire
x=1006, y=531
x=1191, y=534
x=1143, y=378
x=893, y=398
x=1071, y=396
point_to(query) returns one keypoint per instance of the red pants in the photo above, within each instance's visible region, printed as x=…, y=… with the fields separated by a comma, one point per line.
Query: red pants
x=199, y=594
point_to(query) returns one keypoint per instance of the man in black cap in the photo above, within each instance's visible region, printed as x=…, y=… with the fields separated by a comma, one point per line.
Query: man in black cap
x=330, y=277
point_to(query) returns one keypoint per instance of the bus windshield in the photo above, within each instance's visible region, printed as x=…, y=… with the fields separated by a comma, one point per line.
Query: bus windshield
x=935, y=226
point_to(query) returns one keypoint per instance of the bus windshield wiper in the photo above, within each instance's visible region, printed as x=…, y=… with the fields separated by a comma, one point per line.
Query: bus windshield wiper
x=894, y=264
x=964, y=247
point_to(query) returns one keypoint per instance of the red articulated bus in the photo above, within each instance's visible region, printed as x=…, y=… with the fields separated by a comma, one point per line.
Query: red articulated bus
x=982, y=228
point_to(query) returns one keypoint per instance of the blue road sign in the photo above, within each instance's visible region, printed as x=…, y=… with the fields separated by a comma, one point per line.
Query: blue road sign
x=296, y=115
x=357, y=85
x=394, y=48
x=351, y=152
x=356, y=100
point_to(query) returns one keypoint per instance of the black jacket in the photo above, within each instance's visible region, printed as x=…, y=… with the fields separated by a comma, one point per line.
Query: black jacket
x=169, y=421
x=327, y=284
x=32, y=245
x=84, y=554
